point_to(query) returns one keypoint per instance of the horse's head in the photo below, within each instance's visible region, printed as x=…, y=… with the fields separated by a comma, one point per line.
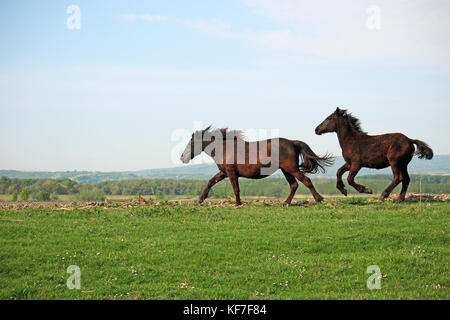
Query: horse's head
x=330, y=123
x=194, y=146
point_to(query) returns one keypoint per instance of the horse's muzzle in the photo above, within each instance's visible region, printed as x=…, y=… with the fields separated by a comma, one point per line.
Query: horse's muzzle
x=184, y=159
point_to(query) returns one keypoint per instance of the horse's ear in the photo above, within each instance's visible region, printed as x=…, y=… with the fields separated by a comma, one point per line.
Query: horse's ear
x=340, y=112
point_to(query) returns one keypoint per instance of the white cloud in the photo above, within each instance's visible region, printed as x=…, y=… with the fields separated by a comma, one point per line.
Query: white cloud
x=411, y=32
x=145, y=17
x=213, y=26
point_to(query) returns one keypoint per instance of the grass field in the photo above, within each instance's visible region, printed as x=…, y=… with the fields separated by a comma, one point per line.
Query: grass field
x=258, y=251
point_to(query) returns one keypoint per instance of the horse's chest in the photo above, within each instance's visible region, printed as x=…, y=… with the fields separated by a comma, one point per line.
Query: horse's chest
x=350, y=155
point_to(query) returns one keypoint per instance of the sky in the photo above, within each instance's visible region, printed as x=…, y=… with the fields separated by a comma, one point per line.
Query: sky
x=116, y=85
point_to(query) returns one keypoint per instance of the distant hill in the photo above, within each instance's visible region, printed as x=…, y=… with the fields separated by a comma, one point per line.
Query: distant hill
x=440, y=164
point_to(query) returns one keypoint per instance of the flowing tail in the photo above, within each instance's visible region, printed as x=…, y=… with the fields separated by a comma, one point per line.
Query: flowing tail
x=312, y=163
x=423, y=150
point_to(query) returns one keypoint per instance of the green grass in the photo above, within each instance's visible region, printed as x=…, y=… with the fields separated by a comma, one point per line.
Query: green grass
x=258, y=251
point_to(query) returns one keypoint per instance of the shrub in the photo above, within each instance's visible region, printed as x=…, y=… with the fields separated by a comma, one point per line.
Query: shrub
x=91, y=195
x=24, y=194
x=41, y=196
x=15, y=195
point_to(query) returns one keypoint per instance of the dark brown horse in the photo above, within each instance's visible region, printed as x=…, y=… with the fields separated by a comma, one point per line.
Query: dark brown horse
x=236, y=158
x=381, y=151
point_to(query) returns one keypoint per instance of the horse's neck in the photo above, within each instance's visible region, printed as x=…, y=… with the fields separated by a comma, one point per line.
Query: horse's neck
x=205, y=148
x=345, y=134
x=226, y=144
x=210, y=149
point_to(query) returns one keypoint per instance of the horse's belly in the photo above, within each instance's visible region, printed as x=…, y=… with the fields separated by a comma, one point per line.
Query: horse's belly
x=255, y=171
x=376, y=163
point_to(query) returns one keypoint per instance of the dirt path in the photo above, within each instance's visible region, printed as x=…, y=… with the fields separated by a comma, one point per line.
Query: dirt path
x=69, y=205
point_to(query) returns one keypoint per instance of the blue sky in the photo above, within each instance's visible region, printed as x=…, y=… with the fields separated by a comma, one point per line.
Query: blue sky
x=109, y=96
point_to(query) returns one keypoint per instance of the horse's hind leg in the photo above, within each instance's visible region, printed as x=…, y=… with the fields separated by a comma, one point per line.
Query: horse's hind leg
x=218, y=177
x=307, y=182
x=292, y=183
x=405, y=182
x=354, y=169
x=339, y=184
x=397, y=178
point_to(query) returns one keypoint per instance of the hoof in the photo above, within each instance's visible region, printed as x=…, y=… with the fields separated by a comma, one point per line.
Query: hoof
x=343, y=191
x=368, y=190
x=200, y=200
x=285, y=203
x=399, y=200
x=319, y=199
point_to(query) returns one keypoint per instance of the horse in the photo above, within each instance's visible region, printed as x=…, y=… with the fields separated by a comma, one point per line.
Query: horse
x=236, y=158
x=380, y=151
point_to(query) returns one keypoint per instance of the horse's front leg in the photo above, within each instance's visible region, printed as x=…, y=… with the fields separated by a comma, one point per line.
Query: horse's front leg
x=234, y=182
x=218, y=177
x=340, y=184
x=354, y=169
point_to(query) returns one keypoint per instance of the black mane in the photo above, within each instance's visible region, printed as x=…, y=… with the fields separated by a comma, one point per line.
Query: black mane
x=353, y=121
x=227, y=134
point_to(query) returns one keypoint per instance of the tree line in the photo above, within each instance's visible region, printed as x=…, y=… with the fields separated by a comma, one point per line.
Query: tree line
x=49, y=189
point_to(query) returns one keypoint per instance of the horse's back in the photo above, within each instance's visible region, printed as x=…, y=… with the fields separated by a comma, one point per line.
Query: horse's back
x=378, y=151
